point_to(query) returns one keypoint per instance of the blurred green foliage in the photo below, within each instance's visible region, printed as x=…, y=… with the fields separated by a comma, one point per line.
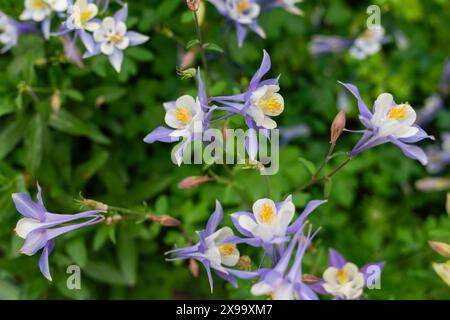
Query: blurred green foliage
x=94, y=144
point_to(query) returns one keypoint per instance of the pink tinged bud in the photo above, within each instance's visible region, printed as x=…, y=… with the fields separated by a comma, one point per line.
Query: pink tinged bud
x=433, y=184
x=310, y=279
x=193, y=5
x=441, y=248
x=193, y=182
x=115, y=219
x=193, y=268
x=56, y=100
x=337, y=127
x=245, y=263
x=164, y=220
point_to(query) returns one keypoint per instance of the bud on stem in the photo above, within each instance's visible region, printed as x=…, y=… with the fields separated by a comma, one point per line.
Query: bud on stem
x=193, y=5
x=337, y=127
x=164, y=220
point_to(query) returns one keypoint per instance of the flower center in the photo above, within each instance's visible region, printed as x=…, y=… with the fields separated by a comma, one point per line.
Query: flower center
x=115, y=38
x=398, y=112
x=342, y=276
x=227, y=249
x=183, y=115
x=85, y=16
x=243, y=6
x=267, y=215
x=38, y=4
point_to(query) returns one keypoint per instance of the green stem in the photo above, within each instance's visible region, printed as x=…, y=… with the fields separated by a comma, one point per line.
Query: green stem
x=201, y=45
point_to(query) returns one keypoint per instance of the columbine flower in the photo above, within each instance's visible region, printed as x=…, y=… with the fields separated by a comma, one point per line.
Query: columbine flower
x=390, y=122
x=270, y=223
x=368, y=43
x=281, y=284
x=112, y=38
x=9, y=32
x=41, y=10
x=344, y=280
x=214, y=251
x=244, y=15
x=39, y=228
x=187, y=117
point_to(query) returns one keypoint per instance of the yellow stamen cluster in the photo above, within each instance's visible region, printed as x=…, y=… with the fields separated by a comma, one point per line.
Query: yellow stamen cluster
x=183, y=115
x=85, y=16
x=243, y=5
x=398, y=112
x=227, y=249
x=341, y=276
x=267, y=215
x=38, y=4
x=116, y=39
x=270, y=104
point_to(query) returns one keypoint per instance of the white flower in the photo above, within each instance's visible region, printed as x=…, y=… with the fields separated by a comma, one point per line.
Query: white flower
x=242, y=11
x=345, y=283
x=393, y=120
x=81, y=13
x=264, y=103
x=269, y=221
x=368, y=43
x=8, y=32
x=184, y=115
x=111, y=35
x=221, y=254
x=39, y=10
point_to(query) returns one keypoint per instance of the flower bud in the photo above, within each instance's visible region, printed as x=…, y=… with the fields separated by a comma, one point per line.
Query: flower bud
x=56, y=100
x=441, y=248
x=193, y=182
x=115, y=219
x=432, y=184
x=193, y=5
x=310, y=279
x=447, y=206
x=96, y=205
x=245, y=263
x=337, y=127
x=164, y=220
x=193, y=268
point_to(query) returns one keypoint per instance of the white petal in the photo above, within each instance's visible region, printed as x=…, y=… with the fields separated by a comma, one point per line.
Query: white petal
x=247, y=223
x=121, y=29
x=330, y=275
x=269, y=123
x=107, y=48
x=189, y=102
x=232, y=259
x=261, y=205
x=261, y=288
x=26, y=225
x=109, y=25
x=122, y=45
x=382, y=107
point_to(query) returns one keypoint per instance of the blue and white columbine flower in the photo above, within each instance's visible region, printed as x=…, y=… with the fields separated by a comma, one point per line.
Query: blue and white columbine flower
x=269, y=225
x=187, y=118
x=9, y=32
x=41, y=11
x=344, y=280
x=214, y=251
x=282, y=284
x=368, y=43
x=389, y=122
x=243, y=14
x=39, y=227
x=112, y=38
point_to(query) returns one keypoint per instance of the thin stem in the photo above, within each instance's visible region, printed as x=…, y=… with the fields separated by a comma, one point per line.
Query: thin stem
x=267, y=183
x=326, y=160
x=127, y=211
x=201, y=44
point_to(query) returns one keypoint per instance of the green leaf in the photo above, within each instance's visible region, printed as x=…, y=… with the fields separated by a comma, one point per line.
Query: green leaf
x=127, y=255
x=103, y=272
x=212, y=47
x=192, y=43
x=85, y=171
x=33, y=144
x=100, y=237
x=10, y=136
x=66, y=122
x=6, y=106
x=309, y=165
x=76, y=249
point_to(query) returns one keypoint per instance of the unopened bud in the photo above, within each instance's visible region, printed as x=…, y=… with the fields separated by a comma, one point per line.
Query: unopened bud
x=310, y=279
x=115, y=219
x=193, y=268
x=193, y=182
x=441, y=248
x=245, y=263
x=96, y=205
x=164, y=220
x=337, y=127
x=193, y=5
x=433, y=184
x=56, y=100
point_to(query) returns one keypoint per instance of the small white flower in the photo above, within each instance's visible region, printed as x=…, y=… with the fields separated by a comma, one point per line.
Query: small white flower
x=368, y=43
x=269, y=221
x=242, y=11
x=81, y=13
x=39, y=10
x=393, y=120
x=221, y=254
x=345, y=283
x=265, y=102
x=111, y=35
x=8, y=32
x=184, y=115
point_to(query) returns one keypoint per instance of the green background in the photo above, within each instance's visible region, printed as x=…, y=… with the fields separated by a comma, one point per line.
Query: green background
x=94, y=145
